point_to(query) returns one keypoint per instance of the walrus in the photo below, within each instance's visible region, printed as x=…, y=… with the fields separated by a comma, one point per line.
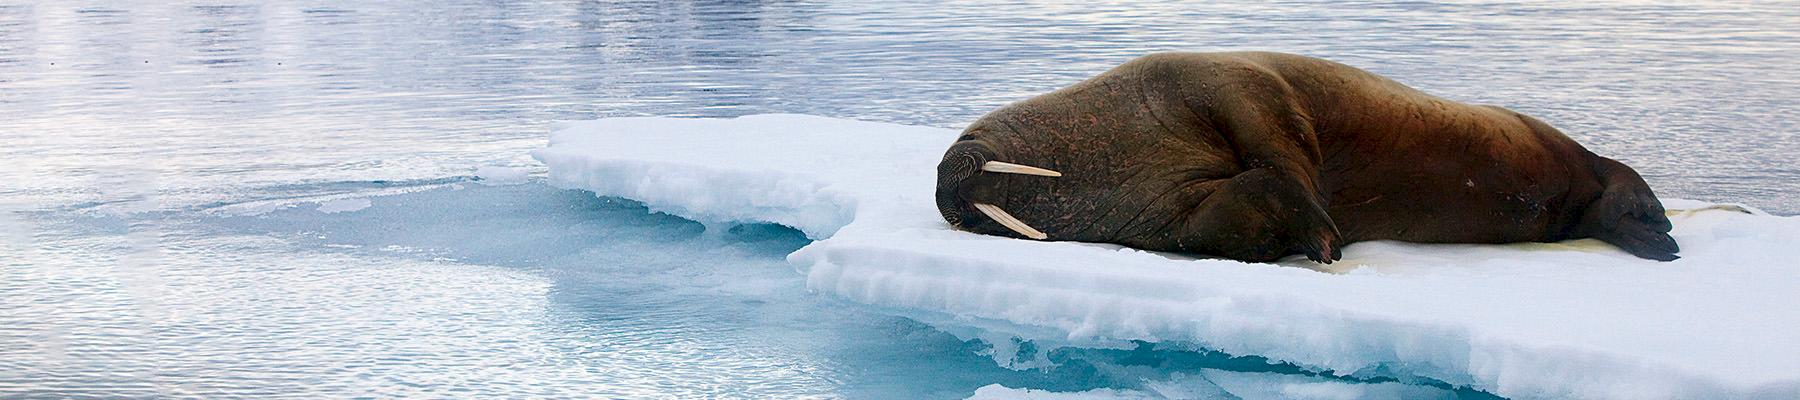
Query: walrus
x=1256, y=156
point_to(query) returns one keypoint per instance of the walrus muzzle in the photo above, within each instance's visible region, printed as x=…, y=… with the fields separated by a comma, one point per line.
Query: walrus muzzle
x=973, y=158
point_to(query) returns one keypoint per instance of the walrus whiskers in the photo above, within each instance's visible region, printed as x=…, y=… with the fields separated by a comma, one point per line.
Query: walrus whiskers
x=1010, y=168
x=999, y=215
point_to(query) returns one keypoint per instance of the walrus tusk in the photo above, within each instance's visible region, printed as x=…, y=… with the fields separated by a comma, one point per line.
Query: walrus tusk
x=999, y=215
x=1010, y=168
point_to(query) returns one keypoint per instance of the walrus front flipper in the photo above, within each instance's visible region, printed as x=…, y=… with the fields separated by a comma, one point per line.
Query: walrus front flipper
x=1260, y=216
x=1274, y=207
x=1628, y=215
x=1641, y=240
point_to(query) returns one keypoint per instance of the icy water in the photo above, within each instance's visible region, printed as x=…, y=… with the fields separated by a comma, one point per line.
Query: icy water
x=275, y=198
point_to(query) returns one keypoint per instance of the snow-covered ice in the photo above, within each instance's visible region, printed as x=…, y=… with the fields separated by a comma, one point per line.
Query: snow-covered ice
x=997, y=392
x=1573, y=319
x=1212, y=384
x=498, y=175
x=344, y=205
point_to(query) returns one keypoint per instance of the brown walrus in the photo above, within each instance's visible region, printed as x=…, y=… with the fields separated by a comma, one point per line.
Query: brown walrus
x=1255, y=156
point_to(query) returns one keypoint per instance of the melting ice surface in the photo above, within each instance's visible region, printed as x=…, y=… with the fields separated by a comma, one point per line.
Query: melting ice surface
x=1572, y=319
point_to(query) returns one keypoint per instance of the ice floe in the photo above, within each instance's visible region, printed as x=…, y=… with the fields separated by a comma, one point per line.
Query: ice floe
x=344, y=205
x=1573, y=319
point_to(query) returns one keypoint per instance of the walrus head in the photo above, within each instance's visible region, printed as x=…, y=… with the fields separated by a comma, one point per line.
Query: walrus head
x=1124, y=184
x=1072, y=184
x=966, y=186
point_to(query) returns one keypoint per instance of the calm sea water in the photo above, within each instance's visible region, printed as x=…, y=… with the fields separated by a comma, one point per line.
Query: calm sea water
x=135, y=135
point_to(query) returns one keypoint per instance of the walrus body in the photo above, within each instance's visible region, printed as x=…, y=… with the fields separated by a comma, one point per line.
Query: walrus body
x=1255, y=156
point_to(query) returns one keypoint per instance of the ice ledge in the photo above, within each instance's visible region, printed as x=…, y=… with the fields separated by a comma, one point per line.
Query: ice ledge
x=1573, y=319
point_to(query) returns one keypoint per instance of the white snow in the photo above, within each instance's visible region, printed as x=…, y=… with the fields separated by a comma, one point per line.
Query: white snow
x=997, y=392
x=499, y=175
x=1254, y=386
x=344, y=205
x=1574, y=319
x=1212, y=384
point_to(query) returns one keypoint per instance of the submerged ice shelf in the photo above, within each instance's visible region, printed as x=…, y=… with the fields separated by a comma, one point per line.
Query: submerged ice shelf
x=1572, y=319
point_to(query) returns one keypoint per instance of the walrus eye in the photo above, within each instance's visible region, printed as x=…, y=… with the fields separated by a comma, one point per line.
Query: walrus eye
x=999, y=215
x=1010, y=168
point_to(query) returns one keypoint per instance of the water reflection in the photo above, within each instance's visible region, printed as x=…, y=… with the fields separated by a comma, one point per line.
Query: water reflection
x=1695, y=95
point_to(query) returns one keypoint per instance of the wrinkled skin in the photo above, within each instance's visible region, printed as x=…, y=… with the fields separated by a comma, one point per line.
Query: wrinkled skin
x=1256, y=156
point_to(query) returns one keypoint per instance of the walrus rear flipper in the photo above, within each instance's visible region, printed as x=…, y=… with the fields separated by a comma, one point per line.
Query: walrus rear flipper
x=1628, y=214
